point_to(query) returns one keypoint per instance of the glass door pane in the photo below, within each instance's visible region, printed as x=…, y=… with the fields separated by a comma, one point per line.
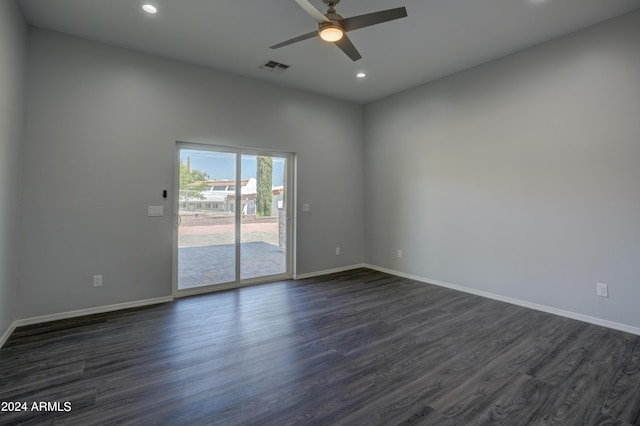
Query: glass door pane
x=207, y=230
x=263, y=229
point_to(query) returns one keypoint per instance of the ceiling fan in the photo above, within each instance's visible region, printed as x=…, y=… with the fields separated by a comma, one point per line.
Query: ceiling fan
x=333, y=27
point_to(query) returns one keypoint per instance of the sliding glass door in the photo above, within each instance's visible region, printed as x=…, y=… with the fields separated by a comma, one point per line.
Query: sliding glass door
x=233, y=218
x=263, y=230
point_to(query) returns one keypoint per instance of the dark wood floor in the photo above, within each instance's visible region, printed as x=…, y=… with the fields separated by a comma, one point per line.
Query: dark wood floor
x=360, y=347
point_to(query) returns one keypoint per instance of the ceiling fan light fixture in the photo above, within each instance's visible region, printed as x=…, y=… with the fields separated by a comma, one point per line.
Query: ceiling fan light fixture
x=331, y=33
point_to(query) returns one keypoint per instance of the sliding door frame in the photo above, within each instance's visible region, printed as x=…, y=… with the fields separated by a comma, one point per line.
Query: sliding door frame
x=290, y=197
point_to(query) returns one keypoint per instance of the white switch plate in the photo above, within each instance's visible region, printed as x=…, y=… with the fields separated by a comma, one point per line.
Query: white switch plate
x=399, y=253
x=602, y=290
x=155, y=211
x=97, y=280
x=337, y=251
x=306, y=207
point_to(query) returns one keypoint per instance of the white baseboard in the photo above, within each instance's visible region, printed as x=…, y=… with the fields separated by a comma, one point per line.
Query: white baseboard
x=329, y=271
x=7, y=333
x=91, y=311
x=548, y=309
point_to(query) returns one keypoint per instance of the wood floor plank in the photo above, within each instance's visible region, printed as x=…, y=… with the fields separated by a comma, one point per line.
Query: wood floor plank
x=622, y=400
x=355, y=347
x=581, y=396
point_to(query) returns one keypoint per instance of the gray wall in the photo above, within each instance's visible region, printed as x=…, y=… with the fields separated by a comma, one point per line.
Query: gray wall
x=101, y=132
x=519, y=177
x=13, y=43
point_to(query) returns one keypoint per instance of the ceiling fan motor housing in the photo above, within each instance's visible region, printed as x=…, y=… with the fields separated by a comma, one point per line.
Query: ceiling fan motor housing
x=335, y=22
x=332, y=24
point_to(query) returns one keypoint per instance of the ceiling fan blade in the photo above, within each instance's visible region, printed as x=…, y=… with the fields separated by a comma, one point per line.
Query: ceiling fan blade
x=361, y=21
x=295, y=40
x=347, y=47
x=312, y=11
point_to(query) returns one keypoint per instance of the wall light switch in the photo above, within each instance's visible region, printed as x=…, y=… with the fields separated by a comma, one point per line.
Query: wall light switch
x=306, y=207
x=602, y=290
x=155, y=211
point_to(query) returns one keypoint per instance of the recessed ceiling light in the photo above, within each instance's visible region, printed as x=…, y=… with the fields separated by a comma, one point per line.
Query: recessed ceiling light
x=149, y=8
x=361, y=75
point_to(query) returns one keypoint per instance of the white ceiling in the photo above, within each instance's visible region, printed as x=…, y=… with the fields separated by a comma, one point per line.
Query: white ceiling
x=439, y=37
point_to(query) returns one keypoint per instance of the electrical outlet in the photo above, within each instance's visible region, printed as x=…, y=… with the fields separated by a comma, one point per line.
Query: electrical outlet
x=97, y=280
x=399, y=253
x=337, y=251
x=602, y=290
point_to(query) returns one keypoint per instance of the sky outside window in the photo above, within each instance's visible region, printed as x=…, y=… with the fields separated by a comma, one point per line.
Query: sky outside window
x=218, y=167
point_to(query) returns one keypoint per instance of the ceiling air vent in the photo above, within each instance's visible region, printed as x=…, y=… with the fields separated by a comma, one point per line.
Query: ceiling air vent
x=275, y=67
